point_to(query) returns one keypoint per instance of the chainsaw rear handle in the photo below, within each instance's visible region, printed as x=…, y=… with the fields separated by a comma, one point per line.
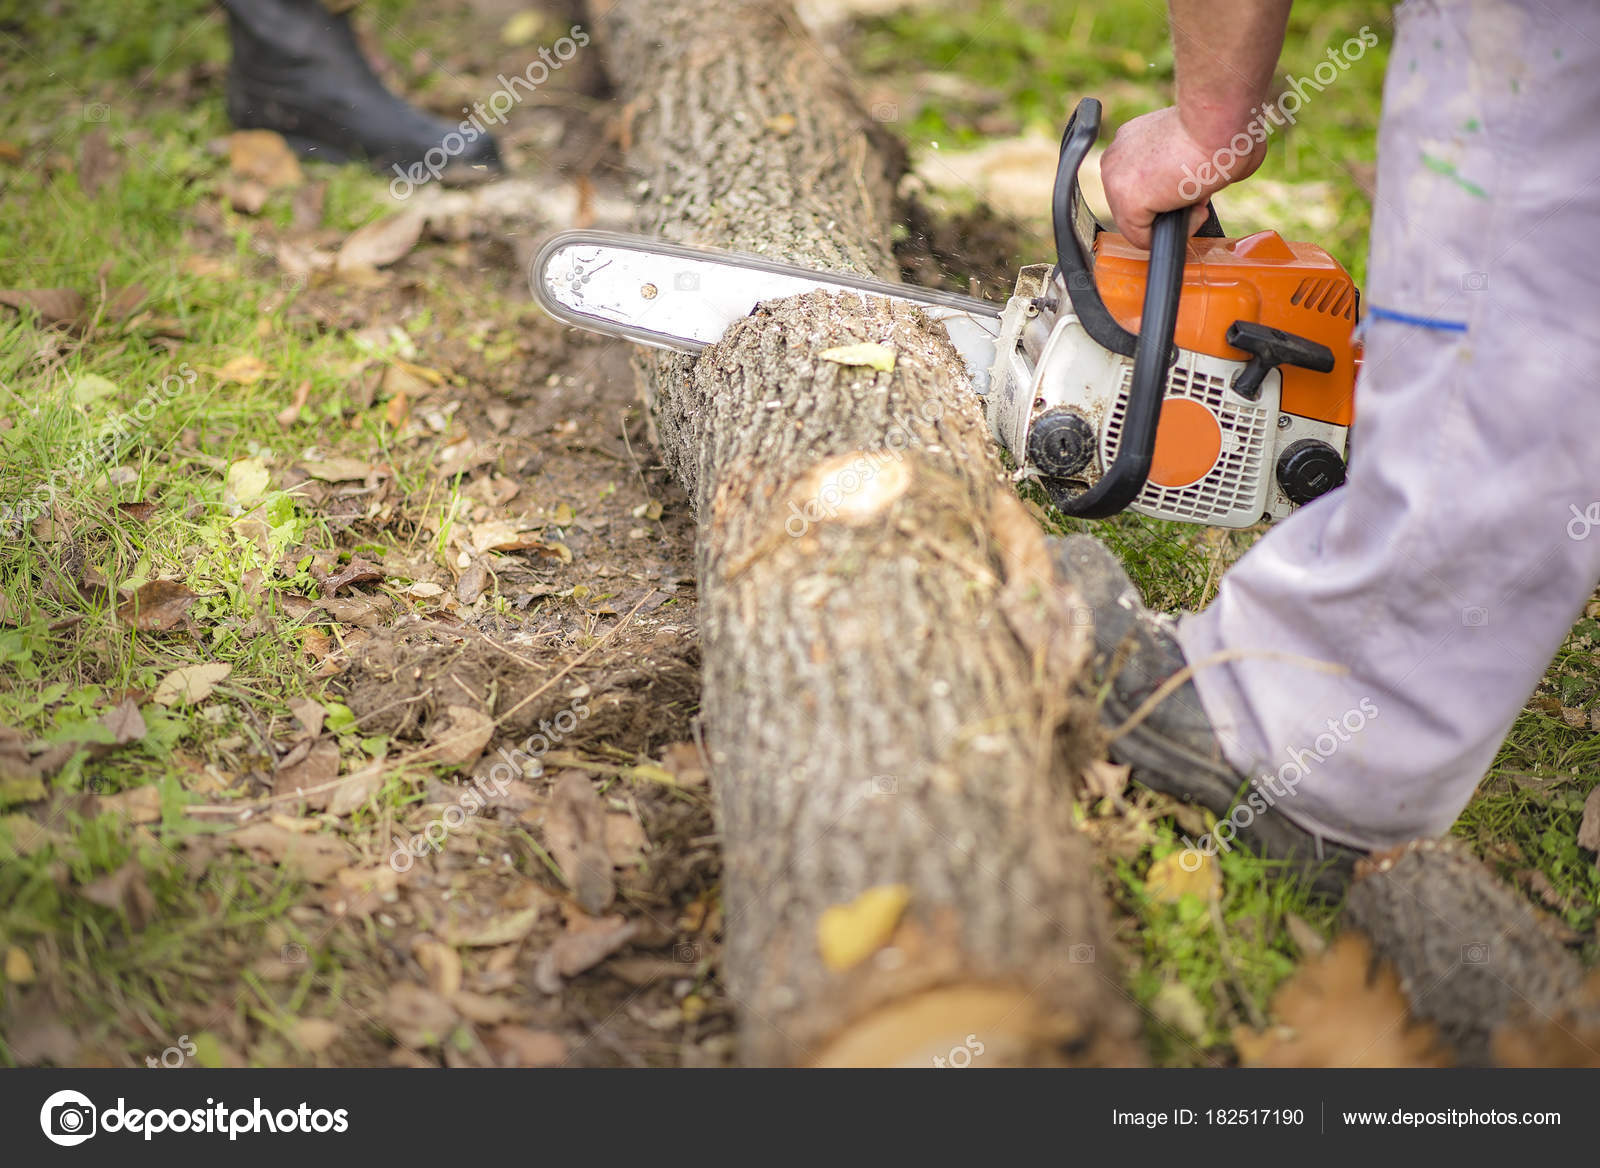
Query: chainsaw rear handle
x=1151, y=348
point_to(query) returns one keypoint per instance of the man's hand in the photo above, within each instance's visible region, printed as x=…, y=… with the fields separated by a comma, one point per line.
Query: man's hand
x=1154, y=164
x=1224, y=52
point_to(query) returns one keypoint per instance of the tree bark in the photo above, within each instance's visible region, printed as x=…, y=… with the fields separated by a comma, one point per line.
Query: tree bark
x=887, y=660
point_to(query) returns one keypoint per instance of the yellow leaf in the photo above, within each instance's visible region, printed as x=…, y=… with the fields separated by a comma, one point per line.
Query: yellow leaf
x=1182, y=873
x=521, y=29
x=869, y=354
x=562, y=515
x=191, y=684
x=247, y=481
x=19, y=966
x=244, y=370
x=848, y=934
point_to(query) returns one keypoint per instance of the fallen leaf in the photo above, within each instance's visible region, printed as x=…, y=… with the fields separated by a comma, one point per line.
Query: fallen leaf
x=126, y=891
x=1104, y=779
x=318, y=767
x=191, y=684
x=460, y=738
x=575, y=833
x=138, y=805
x=54, y=305
x=441, y=963
x=1336, y=1011
x=19, y=966
x=782, y=124
x=263, y=155
x=358, y=571
x=316, y=858
x=1183, y=873
x=246, y=195
x=22, y=835
x=121, y=303
x=124, y=721
x=501, y=930
x=158, y=605
x=338, y=470
x=356, y=788
x=315, y=1035
x=683, y=764
x=625, y=839
x=246, y=481
x=868, y=354
x=472, y=583
x=245, y=370
x=522, y=29
x=290, y=414
x=96, y=161
x=1176, y=1005
x=573, y=953
x=397, y=410
x=517, y=1046
x=417, y=1017
x=380, y=243
x=310, y=714
x=139, y=512
x=847, y=934
x=1589, y=826
x=484, y=1009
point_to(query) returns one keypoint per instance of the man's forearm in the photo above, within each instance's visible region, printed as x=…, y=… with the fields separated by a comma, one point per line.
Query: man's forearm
x=1226, y=52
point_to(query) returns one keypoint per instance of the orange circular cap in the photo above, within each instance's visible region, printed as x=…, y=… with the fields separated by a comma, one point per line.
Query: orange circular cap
x=1188, y=441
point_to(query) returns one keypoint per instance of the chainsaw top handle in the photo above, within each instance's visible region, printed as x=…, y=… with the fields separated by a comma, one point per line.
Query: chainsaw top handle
x=1151, y=348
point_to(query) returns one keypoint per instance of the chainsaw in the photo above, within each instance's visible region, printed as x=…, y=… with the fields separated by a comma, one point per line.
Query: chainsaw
x=1208, y=381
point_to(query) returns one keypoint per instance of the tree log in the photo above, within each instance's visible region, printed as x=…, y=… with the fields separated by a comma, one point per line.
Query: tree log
x=887, y=660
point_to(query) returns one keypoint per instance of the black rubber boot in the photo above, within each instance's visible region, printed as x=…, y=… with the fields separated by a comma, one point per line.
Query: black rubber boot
x=1173, y=748
x=297, y=70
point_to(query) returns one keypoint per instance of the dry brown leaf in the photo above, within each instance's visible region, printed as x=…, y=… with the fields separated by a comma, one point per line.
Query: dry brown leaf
x=139, y=805
x=1338, y=1011
x=139, y=512
x=54, y=305
x=245, y=195
x=124, y=721
x=157, y=606
x=97, y=161
x=126, y=891
x=121, y=303
x=358, y=571
x=573, y=953
x=625, y=839
x=460, y=738
x=418, y=1018
x=316, y=858
x=339, y=470
x=517, y=1046
x=1589, y=826
x=245, y=370
x=290, y=414
x=1104, y=779
x=318, y=766
x=501, y=930
x=472, y=583
x=356, y=788
x=263, y=155
x=315, y=1035
x=191, y=684
x=380, y=243
x=441, y=963
x=310, y=714
x=575, y=833
x=485, y=1009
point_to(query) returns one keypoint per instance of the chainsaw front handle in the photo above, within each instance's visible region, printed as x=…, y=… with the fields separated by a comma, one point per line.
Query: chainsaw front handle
x=1151, y=347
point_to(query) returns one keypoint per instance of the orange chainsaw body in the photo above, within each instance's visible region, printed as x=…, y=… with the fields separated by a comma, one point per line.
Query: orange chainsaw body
x=1296, y=287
